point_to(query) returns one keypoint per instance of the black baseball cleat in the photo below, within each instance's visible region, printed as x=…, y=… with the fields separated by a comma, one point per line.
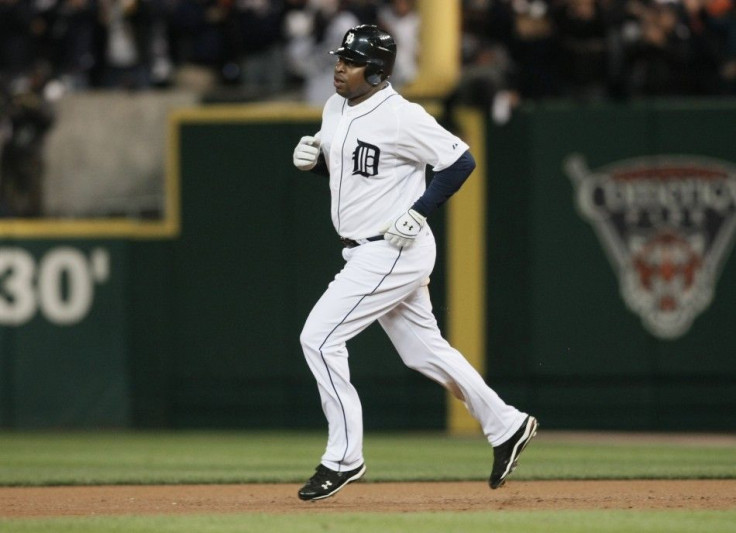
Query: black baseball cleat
x=506, y=455
x=326, y=482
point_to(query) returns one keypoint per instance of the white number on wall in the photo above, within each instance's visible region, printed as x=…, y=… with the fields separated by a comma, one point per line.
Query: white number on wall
x=61, y=286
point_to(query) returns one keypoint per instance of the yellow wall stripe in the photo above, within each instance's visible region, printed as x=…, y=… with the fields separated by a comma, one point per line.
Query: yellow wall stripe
x=466, y=267
x=439, y=60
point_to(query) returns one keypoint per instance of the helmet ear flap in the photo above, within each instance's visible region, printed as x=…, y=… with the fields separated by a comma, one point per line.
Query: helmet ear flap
x=373, y=74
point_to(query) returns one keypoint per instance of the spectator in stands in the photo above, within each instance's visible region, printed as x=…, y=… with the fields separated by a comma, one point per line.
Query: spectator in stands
x=27, y=116
x=74, y=30
x=260, y=24
x=658, y=51
x=199, y=41
x=713, y=26
x=312, y=34
x=16, y=43
x=126, y=27
x=365, y=10
x=706, y=48
x=526, y=29
x=585, y=47
x=487, y=83
x=401, y=20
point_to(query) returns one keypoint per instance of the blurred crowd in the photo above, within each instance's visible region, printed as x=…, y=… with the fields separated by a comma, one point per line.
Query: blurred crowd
x=244, y=50
x=266, y=45
x=590, y=50
x=532, y=48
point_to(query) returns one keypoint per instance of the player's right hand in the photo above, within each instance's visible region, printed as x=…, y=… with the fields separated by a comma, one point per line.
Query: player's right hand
x=306, y=152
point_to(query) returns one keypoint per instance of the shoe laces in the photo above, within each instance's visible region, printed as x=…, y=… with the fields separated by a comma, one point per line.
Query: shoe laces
x=321, y=475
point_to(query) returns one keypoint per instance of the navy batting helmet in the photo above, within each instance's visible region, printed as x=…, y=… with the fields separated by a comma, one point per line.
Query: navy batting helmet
x=368, y=45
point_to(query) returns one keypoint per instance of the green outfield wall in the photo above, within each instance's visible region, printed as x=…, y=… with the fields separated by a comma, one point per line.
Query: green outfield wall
x=609, y=296
x=612, y=282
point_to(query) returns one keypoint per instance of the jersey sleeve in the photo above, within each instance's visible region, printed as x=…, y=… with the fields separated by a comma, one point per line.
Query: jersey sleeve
x=423, y=140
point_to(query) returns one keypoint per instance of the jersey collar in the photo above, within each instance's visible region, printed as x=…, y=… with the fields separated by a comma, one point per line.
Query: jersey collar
x=372, y=102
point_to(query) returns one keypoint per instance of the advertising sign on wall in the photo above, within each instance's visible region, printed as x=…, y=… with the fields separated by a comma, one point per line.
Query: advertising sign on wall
x=667, y=224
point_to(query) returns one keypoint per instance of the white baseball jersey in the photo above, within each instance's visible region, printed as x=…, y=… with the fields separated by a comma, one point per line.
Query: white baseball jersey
x=376, y=152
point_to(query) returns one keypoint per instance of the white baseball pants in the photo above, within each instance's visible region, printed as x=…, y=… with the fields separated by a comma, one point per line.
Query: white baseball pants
x=381, y=282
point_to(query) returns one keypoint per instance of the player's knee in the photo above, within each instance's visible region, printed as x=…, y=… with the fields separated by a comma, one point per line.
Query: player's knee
x=305, y=338
x=310, y=339
x=412, y=361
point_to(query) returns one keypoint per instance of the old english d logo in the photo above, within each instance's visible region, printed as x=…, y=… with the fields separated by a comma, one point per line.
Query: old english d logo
x=667, y=224
x=365, y=159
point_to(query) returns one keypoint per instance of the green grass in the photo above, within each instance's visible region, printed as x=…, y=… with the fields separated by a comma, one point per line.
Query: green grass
x=86, y=458
x=82, y=458
x=505, y=522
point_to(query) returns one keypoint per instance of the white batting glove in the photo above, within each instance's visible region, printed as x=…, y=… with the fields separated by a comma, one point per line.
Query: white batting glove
x=306, y=152
x=402, y=231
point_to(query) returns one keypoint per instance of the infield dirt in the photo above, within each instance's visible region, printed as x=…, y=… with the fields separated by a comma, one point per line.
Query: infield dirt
x=368, y=497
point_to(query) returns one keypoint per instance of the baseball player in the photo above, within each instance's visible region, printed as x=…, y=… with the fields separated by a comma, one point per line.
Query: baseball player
x=374, y=145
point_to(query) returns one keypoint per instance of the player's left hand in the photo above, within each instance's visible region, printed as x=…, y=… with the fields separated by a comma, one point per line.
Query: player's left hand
x=402, y=231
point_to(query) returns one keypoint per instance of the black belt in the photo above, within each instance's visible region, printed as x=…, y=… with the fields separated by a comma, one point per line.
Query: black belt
x=350, y=243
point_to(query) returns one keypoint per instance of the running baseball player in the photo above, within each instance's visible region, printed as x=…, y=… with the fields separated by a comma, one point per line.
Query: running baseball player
x=374, y=145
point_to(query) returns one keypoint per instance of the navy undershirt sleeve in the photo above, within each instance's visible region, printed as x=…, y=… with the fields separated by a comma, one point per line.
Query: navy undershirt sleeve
x=444, y=184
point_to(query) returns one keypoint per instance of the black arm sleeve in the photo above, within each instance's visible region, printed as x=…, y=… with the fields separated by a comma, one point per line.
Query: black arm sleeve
x=444, y=184
x=321, y=167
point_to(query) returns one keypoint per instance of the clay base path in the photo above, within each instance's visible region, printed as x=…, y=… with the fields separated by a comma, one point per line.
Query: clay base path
x=368, y=497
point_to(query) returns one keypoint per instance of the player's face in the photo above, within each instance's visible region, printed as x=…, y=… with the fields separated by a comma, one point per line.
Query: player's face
x=350, y=81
